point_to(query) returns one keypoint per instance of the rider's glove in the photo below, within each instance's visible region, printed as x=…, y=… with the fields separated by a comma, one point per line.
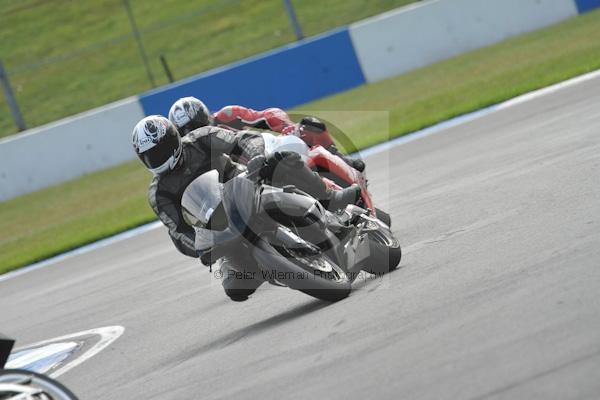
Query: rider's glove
x=255, y=166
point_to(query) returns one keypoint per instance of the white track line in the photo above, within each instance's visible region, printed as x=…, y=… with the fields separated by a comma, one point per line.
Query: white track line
x=107, y=336
x=432, y=130
x=37, y=354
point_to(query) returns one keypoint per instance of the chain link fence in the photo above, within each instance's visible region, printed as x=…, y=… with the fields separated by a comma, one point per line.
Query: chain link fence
x=63, y=57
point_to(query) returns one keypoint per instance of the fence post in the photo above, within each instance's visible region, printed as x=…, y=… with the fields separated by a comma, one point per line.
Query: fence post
x=163, y=60
x=289, y=7
x=138, y=38
x=11, y=99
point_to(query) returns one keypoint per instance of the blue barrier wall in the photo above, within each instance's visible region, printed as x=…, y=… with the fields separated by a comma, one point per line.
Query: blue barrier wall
x=408, y=38
x=587, y=5
x=301, y=72
x=286, y=77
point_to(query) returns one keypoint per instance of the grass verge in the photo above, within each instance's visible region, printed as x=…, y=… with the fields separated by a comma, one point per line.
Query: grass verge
x=60, y=218
x=63, y=217
x=66, y=56
x=471, y=81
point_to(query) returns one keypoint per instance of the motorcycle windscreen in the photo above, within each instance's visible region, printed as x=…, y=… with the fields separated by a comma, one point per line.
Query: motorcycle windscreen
x=201, y=199
x=217, y=212
x=239, y=198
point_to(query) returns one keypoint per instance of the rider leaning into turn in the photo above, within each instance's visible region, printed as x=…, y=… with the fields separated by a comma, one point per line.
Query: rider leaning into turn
x=176, y=162
x=189, y=113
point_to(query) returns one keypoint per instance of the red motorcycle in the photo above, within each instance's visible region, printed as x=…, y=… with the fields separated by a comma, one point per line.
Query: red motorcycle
x=333, y=169
x=337, y=174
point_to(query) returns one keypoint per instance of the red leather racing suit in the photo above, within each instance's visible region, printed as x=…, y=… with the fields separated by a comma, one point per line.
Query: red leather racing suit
x=277, y=120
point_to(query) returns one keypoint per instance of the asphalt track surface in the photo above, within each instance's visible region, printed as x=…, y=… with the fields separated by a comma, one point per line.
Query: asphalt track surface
x=498, y=295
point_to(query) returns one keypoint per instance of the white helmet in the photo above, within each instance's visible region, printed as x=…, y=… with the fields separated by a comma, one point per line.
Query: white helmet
x=157, y=143
x=189, y=113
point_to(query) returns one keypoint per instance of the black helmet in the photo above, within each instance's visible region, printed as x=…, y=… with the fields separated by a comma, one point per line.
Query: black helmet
x=189, y=113
x=157, y=143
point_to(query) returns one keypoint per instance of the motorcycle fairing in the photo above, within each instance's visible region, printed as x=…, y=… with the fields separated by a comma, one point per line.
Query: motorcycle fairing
x=339, y=172
x=6, y=345
x=205, y=197
x=286, y=208
x=201, y=198
x=283, y=143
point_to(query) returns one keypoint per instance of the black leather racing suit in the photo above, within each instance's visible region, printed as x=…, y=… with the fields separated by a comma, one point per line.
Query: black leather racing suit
x=201, y=149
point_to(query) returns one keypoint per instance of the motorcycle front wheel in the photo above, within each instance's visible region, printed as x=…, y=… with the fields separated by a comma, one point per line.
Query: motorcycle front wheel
x=22, y=384
x=330, y=275
x=315, y=275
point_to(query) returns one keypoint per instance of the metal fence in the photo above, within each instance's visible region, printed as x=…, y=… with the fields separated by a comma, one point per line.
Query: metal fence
x=62, y=57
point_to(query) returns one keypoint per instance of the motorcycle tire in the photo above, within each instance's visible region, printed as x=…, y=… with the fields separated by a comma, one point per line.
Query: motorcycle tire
x=384, y=217
x=385, y=253
x=48, y=388
x=294, y=271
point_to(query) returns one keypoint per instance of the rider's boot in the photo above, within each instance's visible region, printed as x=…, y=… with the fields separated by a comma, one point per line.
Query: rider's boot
x=291, y=170
x=341, y=198
x=240, y=278
x=332, y=199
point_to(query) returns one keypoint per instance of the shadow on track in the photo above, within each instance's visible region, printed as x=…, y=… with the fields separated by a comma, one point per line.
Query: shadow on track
x=268, y=323
x=248, y=331
x=271, y=322
x=371, y=282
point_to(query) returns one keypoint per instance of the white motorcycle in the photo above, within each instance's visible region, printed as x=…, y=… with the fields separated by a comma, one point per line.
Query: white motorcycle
x=19, y=384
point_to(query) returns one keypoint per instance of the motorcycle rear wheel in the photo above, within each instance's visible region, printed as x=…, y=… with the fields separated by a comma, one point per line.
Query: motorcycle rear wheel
x=384, y=217
x=386, y=253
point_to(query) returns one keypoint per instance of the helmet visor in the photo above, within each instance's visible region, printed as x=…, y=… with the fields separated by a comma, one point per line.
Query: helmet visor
x=160, y=154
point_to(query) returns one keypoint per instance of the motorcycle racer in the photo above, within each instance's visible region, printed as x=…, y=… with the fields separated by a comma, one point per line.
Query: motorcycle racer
x=189, y=113
x=176, y=162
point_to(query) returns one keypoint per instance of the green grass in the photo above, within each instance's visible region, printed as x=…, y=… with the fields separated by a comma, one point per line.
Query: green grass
x=471, y=81
x=63, y=217
x=66, y=56
x=53, y=220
